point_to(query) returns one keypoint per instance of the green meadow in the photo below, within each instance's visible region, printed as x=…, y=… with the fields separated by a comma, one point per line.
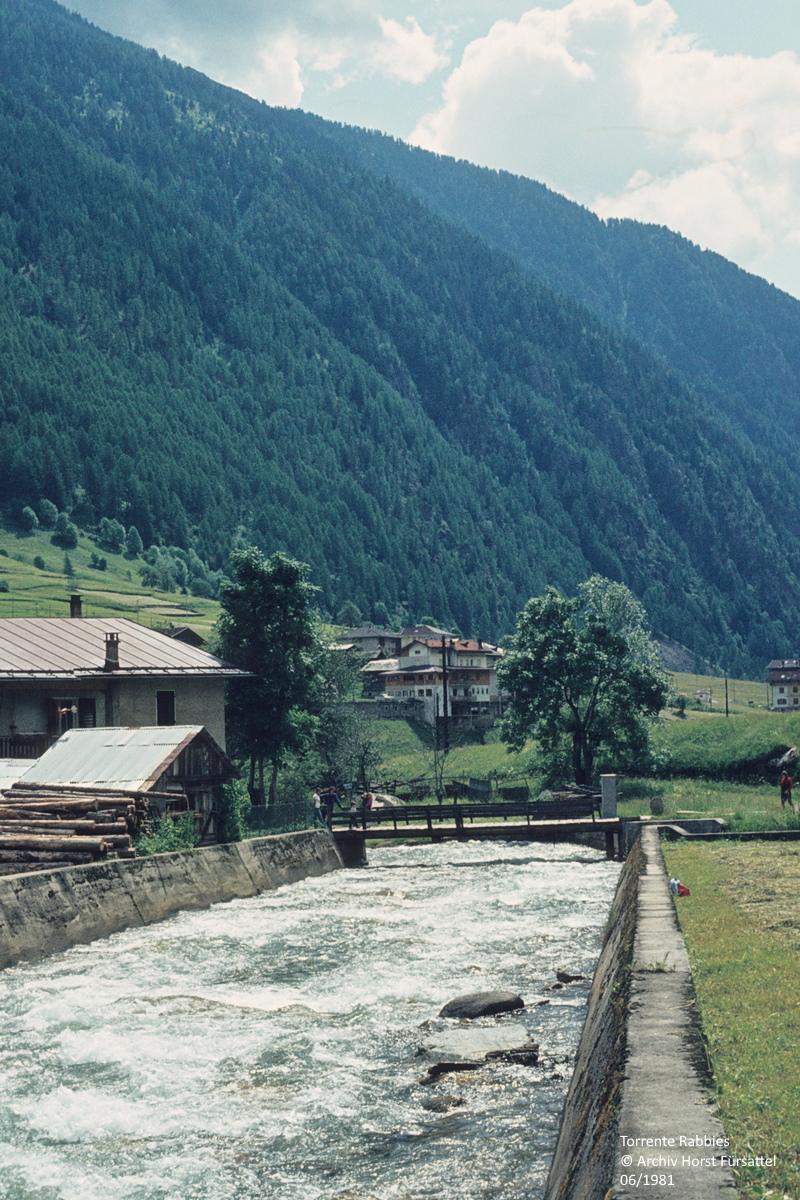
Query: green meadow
x=742, y=929
x=27, y=590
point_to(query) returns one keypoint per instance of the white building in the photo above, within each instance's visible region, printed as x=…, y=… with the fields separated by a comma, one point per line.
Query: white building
x=783, y=678
x=455, y=677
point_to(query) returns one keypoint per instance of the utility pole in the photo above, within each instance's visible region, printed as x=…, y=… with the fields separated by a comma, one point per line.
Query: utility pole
x=444, y=696
x=727, y=714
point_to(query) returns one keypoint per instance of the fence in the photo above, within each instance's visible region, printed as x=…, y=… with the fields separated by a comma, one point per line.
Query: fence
x=277, y=818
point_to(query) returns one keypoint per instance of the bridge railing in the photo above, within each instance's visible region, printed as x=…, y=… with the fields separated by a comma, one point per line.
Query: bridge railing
x=458, y=814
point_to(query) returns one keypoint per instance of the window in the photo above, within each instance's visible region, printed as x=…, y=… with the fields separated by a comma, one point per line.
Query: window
x=781, y=702
x=87, y=712
x=428, y=692
x=165, y=708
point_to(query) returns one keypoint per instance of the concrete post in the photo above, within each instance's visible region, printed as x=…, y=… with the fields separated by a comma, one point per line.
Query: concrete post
x=608, y=787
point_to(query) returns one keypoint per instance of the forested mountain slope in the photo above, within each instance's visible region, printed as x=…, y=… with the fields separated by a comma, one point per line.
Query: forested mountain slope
x=732, y=334
x=216, y=324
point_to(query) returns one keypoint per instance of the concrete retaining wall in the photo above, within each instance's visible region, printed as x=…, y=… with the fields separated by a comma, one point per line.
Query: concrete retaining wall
x=639, y=1071
x=44, y=912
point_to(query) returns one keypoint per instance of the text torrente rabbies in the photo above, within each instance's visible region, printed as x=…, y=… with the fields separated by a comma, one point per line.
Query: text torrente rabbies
x=702, y=1141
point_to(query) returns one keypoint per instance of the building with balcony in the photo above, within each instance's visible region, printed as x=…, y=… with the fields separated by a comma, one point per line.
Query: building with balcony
x=60, y=673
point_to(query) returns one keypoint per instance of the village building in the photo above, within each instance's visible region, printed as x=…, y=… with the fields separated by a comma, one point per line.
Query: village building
x=373, y=642
x=783, y=678
x=59, y=673
x=177, y=767
x=451, y=677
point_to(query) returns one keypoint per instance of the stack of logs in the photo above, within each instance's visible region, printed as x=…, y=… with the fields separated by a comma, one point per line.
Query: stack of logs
x=43, y=826
x=577, y=791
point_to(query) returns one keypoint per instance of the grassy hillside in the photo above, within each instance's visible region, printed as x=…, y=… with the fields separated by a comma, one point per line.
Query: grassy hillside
x=116, y=592
x=738, y=748
x=744, y=695
x=407, y=749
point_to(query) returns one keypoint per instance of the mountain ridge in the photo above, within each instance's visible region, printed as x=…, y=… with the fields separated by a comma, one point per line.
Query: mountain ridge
x=284, y=346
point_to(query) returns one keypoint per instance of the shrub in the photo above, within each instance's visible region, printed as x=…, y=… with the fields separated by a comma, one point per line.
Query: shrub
x=65, y=534
x=39, y=563
x=48, y=514
x=167, y=833
x=235, y=803
x=28, y=520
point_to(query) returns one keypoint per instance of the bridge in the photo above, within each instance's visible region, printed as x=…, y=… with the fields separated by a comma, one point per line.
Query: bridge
x=544, y=821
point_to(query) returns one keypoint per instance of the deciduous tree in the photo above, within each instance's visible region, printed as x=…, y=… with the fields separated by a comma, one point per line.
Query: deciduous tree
x=584, y=680
x=267, y=626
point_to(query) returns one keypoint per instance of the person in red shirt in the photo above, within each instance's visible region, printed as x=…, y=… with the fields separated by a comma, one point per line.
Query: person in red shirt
x=786, y=789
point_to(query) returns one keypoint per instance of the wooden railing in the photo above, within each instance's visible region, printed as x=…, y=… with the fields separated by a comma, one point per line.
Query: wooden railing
x=458, y=814
x=25, y=745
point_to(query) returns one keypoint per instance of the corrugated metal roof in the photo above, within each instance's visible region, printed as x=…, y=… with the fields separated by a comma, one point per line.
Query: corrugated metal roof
x=11, y=769
x=118, y=759
x=66, y=647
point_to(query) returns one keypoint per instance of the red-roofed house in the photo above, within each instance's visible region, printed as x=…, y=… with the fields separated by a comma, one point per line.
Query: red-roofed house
x=455, y=675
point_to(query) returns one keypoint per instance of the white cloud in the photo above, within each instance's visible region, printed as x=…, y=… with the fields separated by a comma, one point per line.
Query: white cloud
x=407, y=52
x=276, y=76
x=272, y=48
x=605, y=100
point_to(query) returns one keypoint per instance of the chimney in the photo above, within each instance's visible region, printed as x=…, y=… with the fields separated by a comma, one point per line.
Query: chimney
x=75, y=609
x=112, y=652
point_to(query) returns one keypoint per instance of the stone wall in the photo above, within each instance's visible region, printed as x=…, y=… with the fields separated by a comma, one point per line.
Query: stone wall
x=583, y=1162
x=638, y=1074
x=44, y=912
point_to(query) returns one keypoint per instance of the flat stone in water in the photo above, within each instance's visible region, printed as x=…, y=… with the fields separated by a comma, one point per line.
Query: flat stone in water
x=482, y=1004
x=472, y=1045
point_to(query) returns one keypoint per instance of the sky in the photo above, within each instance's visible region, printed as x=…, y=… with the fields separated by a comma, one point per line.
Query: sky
x=682, y=113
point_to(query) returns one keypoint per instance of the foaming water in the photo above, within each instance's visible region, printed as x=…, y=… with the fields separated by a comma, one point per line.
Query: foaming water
x=268, y=1047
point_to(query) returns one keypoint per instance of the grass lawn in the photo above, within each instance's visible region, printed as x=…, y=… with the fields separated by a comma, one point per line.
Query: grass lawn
x=739, y=747
x=407, y=748
x=742, y=930
x=742, y=806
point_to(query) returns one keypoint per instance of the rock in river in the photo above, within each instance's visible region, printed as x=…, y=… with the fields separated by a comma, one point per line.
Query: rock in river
x=473, y=1044
x=482, y=1004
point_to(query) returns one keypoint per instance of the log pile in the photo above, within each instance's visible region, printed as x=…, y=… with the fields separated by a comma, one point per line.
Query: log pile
x=42, y=827
x=577, y=791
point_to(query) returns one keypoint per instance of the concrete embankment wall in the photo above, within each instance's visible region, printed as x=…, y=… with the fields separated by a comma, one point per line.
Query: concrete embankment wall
x=639, y=1072
x=48, y=911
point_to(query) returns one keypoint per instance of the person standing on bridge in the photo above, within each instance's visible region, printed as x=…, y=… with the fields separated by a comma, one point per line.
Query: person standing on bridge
x=319, y=816
x=367, y=801
x=329, y=799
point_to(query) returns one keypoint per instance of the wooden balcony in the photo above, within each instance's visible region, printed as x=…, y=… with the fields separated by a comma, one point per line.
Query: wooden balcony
x=26, y=745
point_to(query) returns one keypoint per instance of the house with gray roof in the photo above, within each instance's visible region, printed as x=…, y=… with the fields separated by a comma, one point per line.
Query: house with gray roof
x=783, y=678
x=59, y=673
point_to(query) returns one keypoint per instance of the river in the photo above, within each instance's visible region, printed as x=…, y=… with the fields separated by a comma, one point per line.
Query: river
x=267, y=1047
